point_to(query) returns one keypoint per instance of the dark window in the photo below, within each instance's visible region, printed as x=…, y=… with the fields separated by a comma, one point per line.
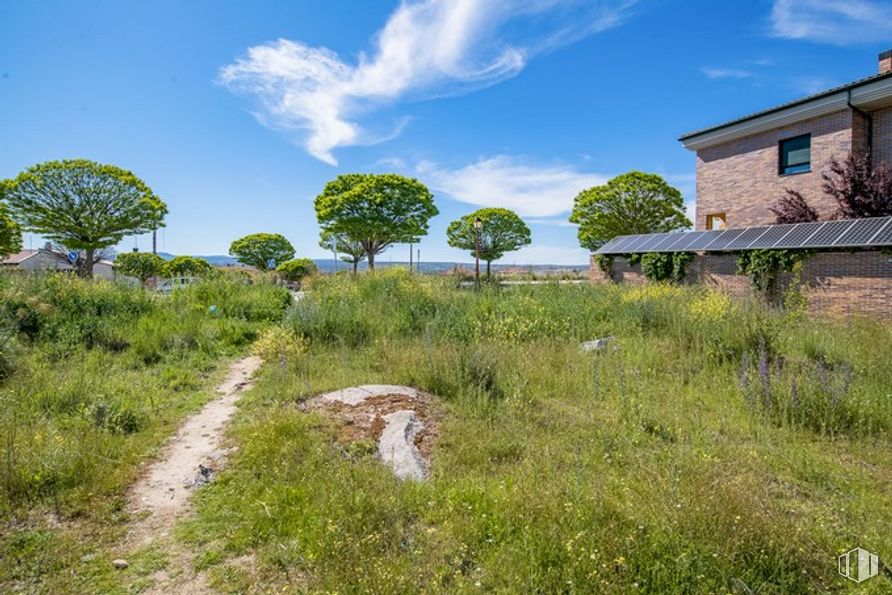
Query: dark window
x=795, y=155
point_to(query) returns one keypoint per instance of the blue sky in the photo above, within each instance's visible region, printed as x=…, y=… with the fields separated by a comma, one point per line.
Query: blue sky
x=237, y=113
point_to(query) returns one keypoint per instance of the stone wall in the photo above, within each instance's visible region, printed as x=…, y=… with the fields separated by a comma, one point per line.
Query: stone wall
x=837, y=284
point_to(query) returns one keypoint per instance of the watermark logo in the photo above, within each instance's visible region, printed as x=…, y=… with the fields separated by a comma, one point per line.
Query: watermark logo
x=859, y=565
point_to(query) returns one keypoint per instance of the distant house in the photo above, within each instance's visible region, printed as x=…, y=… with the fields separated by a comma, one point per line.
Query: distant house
x=47, y=259
x=743, y=166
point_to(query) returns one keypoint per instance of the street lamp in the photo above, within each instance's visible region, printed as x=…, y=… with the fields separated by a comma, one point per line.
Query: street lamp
x=477, y=225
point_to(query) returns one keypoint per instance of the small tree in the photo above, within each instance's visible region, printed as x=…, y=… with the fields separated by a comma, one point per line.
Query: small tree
x=501, y=230
x=860, y=188
x=258, y=249
x=10, y=232
x=376, y=210
x=295, y=270
x=351, y=251
x=793, y=208
x=633, y=203
x=187, y=265
x=83, y=205
x=142, y=265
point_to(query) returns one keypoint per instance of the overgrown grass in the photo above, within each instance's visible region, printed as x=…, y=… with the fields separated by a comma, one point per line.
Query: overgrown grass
x=93, y=376
x=713, y=447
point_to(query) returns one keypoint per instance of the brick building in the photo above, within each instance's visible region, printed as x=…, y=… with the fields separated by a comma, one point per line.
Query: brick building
x=743, y=166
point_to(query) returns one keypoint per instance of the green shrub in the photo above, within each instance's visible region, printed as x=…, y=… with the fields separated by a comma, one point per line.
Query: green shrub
x=664, y=266
x=296, y=269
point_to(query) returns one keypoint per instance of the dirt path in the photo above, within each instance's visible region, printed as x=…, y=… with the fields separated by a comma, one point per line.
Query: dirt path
x=161, y=497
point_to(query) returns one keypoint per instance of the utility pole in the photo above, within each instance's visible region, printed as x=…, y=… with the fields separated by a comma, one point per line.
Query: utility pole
x=410, y=256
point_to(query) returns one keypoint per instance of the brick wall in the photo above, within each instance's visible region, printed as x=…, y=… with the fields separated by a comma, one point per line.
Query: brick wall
x=838, y=284
x=740, y=178
x=882, y=136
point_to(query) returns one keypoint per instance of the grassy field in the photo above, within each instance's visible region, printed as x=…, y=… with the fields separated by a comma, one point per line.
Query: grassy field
x=93, y=378
x=718, y=447
x=714, y=447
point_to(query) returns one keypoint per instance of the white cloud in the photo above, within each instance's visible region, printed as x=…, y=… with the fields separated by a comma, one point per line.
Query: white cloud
x=839, y=22
x=504, y=181
x=725, y=73
x=427, y=48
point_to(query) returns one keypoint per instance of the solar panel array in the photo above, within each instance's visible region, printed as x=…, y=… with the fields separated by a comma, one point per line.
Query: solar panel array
x=851, y=233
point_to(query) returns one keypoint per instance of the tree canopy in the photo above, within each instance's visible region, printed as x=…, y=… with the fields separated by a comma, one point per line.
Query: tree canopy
x=142, y=265
x=350, y=251
x=861, y=188
x=501, y=230
x=258, y=249
x=633, y=203
x=83, y=205
x=793, y=208
x=376, y=210
x=296, y=269
x=186, y=265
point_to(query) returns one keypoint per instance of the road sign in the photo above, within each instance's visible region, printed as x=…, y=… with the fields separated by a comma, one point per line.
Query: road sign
x=72, y=257
x=271, y=263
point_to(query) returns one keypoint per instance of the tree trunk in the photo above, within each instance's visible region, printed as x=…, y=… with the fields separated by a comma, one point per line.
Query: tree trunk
x=355, y=267
x=488, y=268
x=87, y=270
x=371, y=258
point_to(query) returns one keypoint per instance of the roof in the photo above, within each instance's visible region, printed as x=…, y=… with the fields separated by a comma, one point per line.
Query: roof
x=19, y=257
x=797, y=102
x=870, y=233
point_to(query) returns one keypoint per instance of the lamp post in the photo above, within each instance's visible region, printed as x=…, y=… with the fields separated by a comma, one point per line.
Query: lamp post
x=477, y=225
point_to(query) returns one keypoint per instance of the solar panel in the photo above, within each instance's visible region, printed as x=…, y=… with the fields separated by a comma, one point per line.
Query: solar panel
x=705, y=238
x=652, y=240
x=723, y=239
x=634, y=244
x=610, y=243
x=666, y=243
x=861, y=231
x=883, y=237
x=622, y=242
x=774, y=234
x=828, y=234
x=682, y=239
x=749, y=235
x=689, y=238
x=874, y=231
x=800, y=233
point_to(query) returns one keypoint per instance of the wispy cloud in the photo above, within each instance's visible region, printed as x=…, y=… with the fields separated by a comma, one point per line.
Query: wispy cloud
x=725, y=73
x=427, y=48
x=839, y=22
x=533, y=190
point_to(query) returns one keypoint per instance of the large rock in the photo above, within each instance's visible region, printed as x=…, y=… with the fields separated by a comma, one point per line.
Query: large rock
x=396, y=418
x=396, y=446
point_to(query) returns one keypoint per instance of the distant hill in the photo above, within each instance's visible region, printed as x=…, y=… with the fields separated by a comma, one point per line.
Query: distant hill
x=329, y=265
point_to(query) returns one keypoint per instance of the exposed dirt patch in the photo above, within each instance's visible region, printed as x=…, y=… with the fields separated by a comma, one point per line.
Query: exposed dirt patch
x=369, y=413
x=161, y=497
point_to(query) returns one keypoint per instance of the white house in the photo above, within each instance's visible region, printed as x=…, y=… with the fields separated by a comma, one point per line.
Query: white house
x=46, y=259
